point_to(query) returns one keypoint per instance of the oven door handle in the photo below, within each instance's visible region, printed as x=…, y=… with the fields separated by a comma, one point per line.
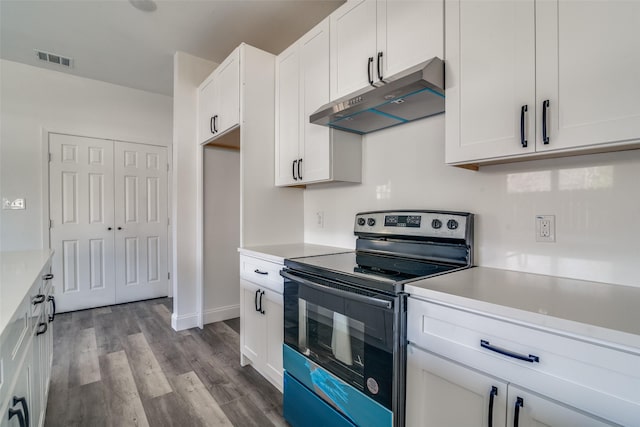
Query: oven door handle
x=345, y=294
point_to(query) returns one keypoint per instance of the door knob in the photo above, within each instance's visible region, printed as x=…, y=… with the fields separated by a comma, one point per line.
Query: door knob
x=109, y=228
x=119, y=228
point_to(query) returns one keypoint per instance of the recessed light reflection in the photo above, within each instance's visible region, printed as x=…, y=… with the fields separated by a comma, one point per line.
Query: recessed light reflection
x=529, y=182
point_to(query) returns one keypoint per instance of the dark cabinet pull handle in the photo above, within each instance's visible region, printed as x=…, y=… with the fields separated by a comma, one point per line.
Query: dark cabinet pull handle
x=293, y=170
x=530, y=358
x=47, y=276
x=255, y=300
x=370, y=71
x=215, y=124
x=25, y=409
x=52, y=300
x=38, y=299
x=14, y=413
x=261, y=272
x=299, y=174
x=119, y=228
x=523, y=141
x=494, y=392
x=516, y=415
x=42, y=328
x=261, y=309
x=211, y=124
x=109, y=228
x=380, y=67
x=545, y=107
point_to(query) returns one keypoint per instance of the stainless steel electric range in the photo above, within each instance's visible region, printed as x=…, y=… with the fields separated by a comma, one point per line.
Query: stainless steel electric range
x=345, y=316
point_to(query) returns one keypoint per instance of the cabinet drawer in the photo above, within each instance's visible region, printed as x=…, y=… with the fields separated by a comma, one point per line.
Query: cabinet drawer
x=261, y=272
x=561, y=359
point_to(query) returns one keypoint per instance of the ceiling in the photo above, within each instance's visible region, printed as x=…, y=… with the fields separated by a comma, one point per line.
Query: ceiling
x=112, y=41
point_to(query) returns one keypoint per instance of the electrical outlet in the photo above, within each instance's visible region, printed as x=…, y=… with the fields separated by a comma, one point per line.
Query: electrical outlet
x=545, y=228
x=320, y=219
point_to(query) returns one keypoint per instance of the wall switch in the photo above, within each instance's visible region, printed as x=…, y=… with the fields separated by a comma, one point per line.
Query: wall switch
x=320, y=219
x=545, y=228
x=13, y=204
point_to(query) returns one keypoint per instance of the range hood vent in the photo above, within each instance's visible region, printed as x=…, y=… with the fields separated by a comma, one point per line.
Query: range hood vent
x=410, y=95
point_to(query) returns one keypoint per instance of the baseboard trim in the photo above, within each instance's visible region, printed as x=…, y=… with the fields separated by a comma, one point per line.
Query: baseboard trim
x=221, y=313
x=186, y=321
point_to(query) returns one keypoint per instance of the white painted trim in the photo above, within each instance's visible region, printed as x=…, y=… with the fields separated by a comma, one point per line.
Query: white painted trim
x=200, y=235
x=221, y=313
x=44, y=195
x=171, y=220
x=186, y=321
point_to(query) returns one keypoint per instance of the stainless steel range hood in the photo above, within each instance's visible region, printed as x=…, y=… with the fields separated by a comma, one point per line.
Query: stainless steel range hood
x=410, y=95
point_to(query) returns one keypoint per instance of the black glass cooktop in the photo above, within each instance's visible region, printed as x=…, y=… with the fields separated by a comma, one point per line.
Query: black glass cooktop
x=382, y=272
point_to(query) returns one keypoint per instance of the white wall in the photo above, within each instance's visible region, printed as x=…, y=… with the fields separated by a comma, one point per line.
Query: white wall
x=595, y=199
x=35, y=100
x=188, y=72
x=221, y=275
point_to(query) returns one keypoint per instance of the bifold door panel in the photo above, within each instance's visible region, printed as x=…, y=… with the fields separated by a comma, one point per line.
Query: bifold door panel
x=108, y=210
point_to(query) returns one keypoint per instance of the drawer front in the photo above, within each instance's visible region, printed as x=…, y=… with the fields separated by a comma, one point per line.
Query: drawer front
x=262, y=272
x=457, y=333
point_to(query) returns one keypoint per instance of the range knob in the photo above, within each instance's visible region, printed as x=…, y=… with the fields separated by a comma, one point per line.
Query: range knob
x=452, y=224
x=371, y=222
x=361, y=221
x=436, y=223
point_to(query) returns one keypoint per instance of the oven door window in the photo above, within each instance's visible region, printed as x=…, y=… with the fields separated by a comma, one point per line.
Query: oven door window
x=348, y=337
x=332, y=340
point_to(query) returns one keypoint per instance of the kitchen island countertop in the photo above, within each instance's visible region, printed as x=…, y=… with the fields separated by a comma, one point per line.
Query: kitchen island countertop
x=603, y=313
x=278, y=253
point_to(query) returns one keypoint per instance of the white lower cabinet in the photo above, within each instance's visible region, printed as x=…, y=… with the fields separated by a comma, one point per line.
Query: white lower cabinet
x=26, y=348
x=457, y=360
x=452, y=394
x=261, y=317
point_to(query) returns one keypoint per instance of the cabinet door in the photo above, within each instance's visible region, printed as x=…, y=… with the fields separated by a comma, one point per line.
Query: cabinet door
x=587, y=67
x=272, y=305
x=287, y=116
x=253, y=325
x=228, y=102
x=537, y=411
x=409, y=32
x=443, y=393
x=315, y=151
x=353, y=42
x=206, y=101
x=490, y=76
x=22, y=389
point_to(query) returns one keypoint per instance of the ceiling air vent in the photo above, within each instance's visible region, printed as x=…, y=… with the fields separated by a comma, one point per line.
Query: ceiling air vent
x=54, y=58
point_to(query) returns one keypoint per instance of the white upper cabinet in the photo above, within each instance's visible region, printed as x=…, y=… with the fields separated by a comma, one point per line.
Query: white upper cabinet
x=308, y=153
x=543, y=76
x=374, y=39
x=287, y=115
x=219, y=99
x=588, y=68
x=491, y=58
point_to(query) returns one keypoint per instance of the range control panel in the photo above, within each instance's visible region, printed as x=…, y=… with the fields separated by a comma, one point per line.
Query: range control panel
x=439, y=224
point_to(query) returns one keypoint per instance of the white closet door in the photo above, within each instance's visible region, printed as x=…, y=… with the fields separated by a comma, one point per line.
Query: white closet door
x=81, y=210
x=141, y=221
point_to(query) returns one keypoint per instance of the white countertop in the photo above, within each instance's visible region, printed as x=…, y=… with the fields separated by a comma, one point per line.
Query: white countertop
x=18, y=271
x=599, y=312
x=278, y=253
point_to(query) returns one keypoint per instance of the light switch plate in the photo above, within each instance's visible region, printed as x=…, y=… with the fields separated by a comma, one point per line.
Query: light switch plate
x=13, y=204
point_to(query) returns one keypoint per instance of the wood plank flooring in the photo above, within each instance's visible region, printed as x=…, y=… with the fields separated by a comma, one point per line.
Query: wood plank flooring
x=125, y=366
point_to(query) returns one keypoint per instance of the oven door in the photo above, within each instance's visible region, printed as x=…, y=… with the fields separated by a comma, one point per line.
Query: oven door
x=344, y=329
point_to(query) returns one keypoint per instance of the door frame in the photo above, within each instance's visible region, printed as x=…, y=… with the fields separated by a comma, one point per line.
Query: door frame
x=45, y=231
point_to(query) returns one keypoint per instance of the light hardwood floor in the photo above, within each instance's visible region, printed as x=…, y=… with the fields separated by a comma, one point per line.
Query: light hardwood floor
x=125, y=366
